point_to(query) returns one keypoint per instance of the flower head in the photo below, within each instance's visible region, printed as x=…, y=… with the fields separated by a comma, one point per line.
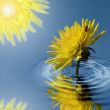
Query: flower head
x=11, y=105
x=68, y=96
x=17, y=16
x=73, y=43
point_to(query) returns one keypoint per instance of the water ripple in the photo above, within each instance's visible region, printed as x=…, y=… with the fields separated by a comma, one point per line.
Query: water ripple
x=94, y=76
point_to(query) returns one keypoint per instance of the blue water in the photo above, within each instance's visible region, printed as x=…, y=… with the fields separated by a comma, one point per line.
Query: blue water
x=94, y=73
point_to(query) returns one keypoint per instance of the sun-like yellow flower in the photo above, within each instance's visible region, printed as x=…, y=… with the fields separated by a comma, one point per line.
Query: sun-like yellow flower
x=11, y=105
x=73, y=43
x=17, y=16
x=68, y=96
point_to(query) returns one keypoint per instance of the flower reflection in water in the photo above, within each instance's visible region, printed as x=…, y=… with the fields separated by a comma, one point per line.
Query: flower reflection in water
x=69, y=96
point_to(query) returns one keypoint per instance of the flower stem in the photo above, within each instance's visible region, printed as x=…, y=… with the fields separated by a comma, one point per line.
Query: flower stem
x=77, y=68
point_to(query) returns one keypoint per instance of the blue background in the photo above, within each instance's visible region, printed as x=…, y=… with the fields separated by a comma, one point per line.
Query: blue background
x=19, y=76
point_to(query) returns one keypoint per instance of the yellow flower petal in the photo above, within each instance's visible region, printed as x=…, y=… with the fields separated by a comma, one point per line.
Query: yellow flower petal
x=11, y=105
x=71, y=42
x=17, y=16
x=97, y=37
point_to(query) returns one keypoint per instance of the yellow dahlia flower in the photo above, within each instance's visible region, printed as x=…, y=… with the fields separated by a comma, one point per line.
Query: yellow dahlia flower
x=11, y=105
x=68, y=96
x=17, y=16
x=73, y=43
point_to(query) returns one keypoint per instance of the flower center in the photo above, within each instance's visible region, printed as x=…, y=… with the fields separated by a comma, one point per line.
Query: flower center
x=8, y=10
x=85, y=54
